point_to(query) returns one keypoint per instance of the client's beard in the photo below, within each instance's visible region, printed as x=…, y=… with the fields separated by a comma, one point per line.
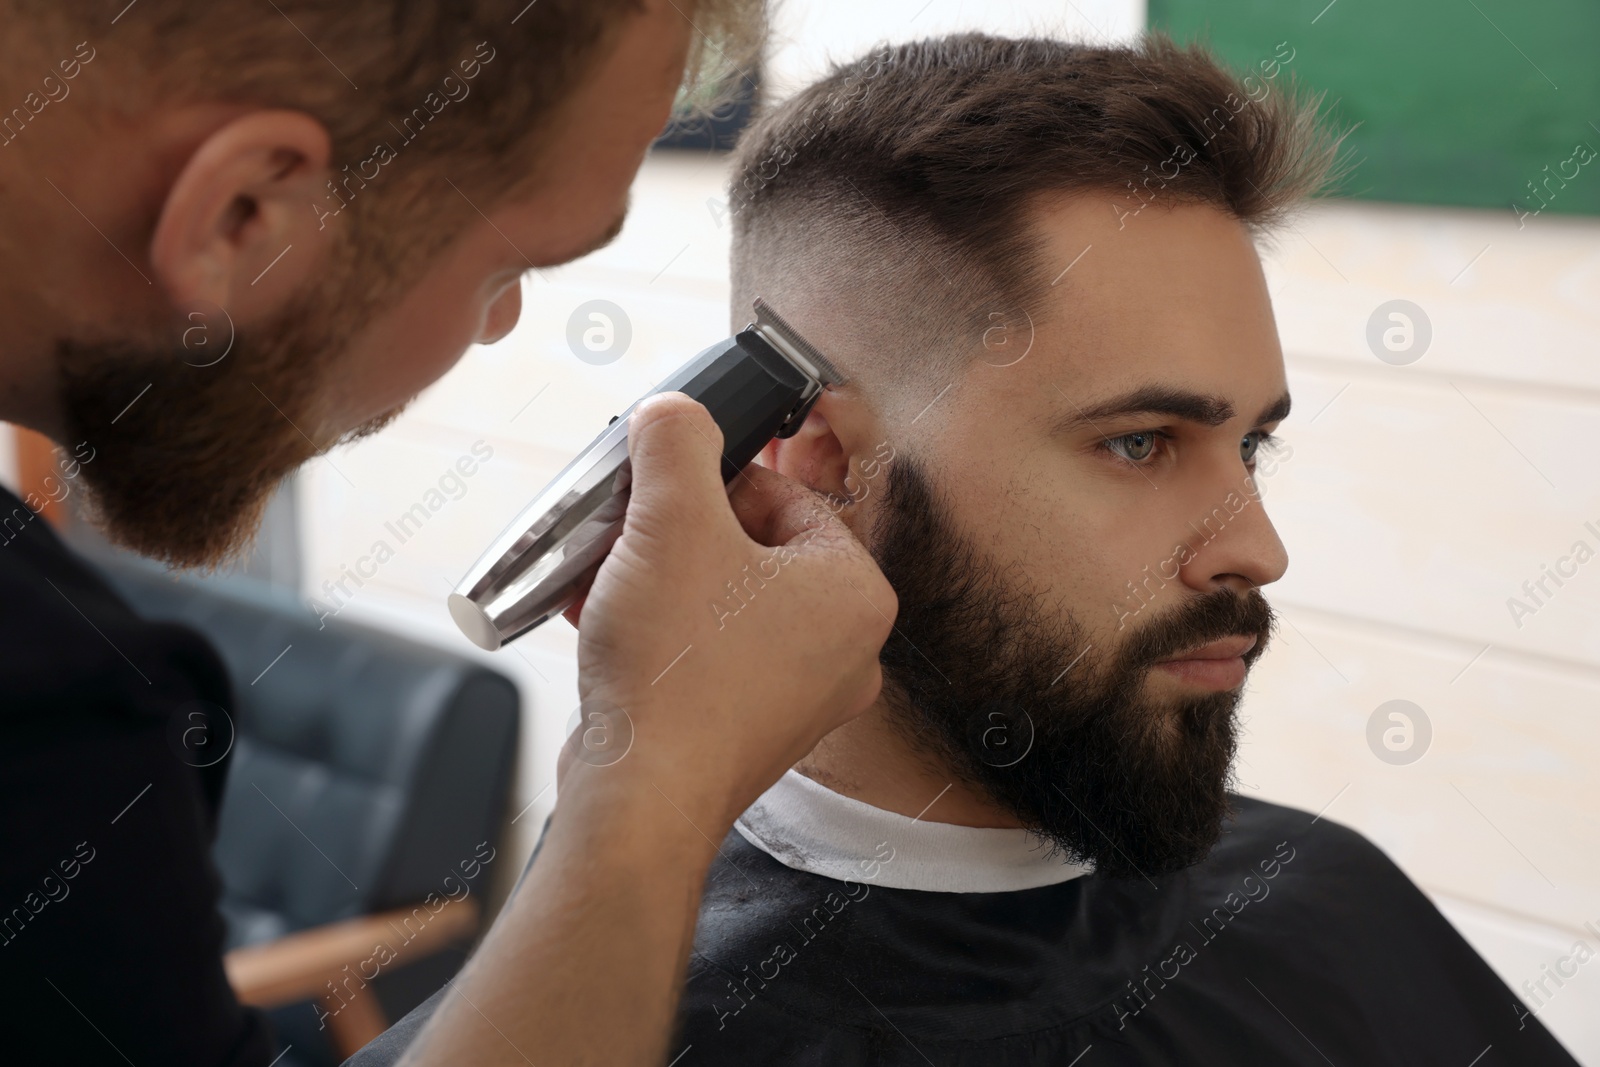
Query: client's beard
x=188, y=448
x=999, y=687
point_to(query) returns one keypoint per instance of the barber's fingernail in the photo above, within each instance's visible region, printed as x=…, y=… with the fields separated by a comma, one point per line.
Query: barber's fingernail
x=640, y=408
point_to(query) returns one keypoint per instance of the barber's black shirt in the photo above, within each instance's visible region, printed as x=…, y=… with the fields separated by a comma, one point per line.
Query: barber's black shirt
x=110, y=938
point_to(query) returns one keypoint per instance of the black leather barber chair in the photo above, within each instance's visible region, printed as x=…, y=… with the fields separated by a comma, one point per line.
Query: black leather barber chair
x=369, y=781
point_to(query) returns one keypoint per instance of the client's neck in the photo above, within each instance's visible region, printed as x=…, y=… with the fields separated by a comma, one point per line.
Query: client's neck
x=868, y=760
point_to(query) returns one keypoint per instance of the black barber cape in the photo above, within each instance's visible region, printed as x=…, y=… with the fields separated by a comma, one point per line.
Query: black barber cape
x=1296, y=942
x=110, y=939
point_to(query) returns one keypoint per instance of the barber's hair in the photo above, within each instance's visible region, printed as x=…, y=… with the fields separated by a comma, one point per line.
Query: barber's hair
x=372, y=72
x=897, y=188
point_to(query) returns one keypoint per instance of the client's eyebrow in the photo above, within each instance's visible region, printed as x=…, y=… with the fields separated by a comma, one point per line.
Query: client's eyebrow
x=1201, y=408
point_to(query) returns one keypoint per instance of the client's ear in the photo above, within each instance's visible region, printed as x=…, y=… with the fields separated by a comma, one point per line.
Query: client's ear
x=820, y=454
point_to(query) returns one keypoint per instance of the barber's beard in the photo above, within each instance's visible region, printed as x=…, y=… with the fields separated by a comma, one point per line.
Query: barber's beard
x=188, y=448
x=989, y=677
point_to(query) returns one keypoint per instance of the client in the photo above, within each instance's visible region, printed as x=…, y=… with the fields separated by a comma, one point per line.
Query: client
x=1037, y=261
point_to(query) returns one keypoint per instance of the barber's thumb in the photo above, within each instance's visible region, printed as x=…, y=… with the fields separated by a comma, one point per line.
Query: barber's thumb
x=675, y=447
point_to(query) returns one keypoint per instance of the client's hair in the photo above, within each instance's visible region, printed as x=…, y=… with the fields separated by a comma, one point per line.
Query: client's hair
x=897, y=188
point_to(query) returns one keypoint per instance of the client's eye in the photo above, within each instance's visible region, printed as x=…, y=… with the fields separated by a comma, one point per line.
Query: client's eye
x=1137, y=449
x=1134, y=447
x=1253, y=442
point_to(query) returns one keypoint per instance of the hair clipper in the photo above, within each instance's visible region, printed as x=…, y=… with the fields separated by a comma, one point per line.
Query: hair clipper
x=758, y=384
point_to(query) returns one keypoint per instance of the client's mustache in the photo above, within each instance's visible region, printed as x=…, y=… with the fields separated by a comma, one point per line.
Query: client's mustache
x=1209, y=617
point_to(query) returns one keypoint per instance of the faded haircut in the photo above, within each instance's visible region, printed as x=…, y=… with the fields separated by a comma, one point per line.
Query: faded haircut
x=895, y=193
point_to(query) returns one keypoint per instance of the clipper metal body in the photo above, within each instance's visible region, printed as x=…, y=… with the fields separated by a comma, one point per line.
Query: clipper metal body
x=758, y=384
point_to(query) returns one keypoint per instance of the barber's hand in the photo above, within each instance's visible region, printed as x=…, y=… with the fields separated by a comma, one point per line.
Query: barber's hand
x=721, y=694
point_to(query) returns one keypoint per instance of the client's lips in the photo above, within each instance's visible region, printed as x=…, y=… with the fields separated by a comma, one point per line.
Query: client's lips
x=1226, y=648
x=1218, y=665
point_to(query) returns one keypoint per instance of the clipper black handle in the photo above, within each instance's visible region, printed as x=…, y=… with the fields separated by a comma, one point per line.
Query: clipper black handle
x=751, y=391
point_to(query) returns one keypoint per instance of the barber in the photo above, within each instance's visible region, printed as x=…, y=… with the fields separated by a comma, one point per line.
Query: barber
x=180, y=165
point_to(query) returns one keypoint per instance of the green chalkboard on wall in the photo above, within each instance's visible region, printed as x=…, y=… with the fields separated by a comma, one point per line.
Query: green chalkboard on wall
x=1482, y=103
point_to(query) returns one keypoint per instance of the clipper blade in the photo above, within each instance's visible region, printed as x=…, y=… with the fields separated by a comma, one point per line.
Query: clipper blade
x=770, y=323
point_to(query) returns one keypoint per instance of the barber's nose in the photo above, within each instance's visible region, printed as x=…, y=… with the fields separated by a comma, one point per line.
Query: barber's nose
x=502, y=315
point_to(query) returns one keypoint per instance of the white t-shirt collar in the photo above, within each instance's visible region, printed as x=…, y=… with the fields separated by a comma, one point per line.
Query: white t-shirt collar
x=807, y=826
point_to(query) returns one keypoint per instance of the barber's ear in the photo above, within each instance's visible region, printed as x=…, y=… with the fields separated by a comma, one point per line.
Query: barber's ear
x=240, y=224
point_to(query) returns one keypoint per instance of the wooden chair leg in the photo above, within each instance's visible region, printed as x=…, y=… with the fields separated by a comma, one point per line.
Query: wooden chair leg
x=332, y=965
x=353, y=1022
